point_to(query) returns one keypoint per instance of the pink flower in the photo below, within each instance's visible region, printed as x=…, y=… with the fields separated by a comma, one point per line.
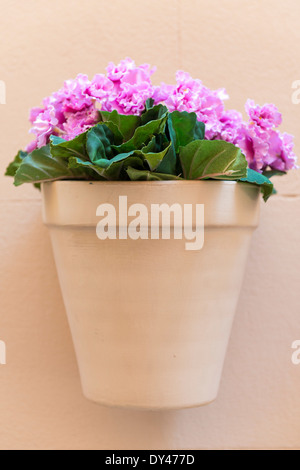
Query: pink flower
x=77, y=123
x=74, y=94
x=162, y=93
x=192, y=96
x=264, y=146
x=254, y=143
x=231, y=125
x=32, y=146
x=34, y=112
x=44, y=126
x=125, y=89
x=267, y=149
x=281, y=152
x=101, y=88
x=117, y=72
x=133, y=91
x=266, y=116
x=56, y=110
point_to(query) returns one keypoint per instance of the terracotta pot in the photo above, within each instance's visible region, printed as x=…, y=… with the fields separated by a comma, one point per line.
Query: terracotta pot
x=150, y=320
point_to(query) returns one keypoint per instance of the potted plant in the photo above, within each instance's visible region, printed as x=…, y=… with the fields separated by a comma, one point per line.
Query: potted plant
x=151, y=195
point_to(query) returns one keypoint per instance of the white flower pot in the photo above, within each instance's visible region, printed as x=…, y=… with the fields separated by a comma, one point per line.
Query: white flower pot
x=150, y=320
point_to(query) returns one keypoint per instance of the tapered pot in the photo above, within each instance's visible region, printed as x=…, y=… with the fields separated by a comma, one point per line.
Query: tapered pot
x=150, y=316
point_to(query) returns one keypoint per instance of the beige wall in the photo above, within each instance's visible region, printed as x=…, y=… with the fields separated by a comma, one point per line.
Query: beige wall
x=251, y=48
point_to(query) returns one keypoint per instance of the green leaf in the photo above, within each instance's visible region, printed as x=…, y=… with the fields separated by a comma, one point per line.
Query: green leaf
x=88, y=167
x=168, y=163
x=149, y=103
x=56, y=140
x=154, y=160
x=142, y=135
x=126, y=124
x=215, y=159
x=158, y=144
x=270, y=173
x=65, y=149
x=116, y=137
x=199, y=131
x=265, y=184
x=153, y=113
x=98, y=143
x=144, y=175
x=119, y=164
x=152, y=146
x=15, y=165
x=40, y=166
x=184, y=128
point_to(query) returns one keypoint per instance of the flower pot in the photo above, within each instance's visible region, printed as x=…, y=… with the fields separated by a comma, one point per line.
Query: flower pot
x=150, y=319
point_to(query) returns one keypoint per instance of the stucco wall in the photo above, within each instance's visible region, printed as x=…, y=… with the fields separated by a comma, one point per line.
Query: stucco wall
x=252, y=49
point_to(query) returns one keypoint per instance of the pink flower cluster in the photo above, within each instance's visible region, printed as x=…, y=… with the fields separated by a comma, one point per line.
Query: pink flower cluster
x=67, y=113
x=126, y=87
x=259, y=138
x=192, y=96
x=261, y=141
x=73, y=109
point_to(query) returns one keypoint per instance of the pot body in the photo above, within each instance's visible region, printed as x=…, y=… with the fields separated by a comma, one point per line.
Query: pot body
x=150, y=320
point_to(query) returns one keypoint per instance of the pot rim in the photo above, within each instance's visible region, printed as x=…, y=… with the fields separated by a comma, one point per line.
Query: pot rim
x=75, y=203
x=155, y=183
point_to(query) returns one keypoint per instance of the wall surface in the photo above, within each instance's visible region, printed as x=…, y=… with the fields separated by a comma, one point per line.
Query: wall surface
x=253, y=50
